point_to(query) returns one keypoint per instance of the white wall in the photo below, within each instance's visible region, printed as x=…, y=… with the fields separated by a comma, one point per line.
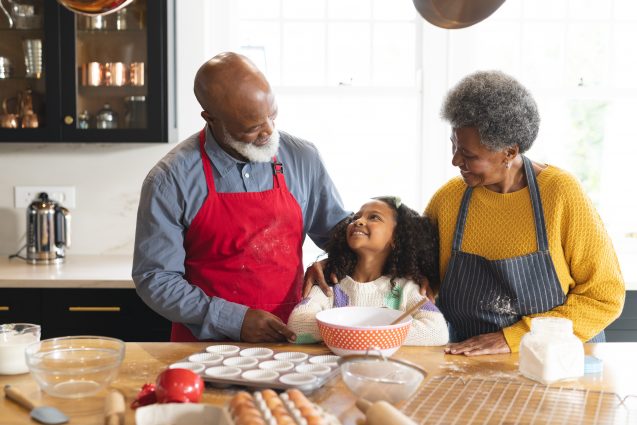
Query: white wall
x=107, y=177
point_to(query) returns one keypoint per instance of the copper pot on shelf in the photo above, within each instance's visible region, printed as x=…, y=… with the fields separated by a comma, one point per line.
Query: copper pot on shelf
x=8, y=119
x=25, y=105
x=114, y=74
x=92, y=74
x=94, y=7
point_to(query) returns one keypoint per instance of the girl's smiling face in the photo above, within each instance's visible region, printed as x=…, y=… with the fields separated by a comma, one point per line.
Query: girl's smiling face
x=372, y=228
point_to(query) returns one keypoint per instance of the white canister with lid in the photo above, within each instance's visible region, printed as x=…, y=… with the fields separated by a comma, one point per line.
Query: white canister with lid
x=551, y=352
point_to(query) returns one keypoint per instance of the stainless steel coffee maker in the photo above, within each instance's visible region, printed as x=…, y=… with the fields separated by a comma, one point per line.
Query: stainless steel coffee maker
x=48, y=231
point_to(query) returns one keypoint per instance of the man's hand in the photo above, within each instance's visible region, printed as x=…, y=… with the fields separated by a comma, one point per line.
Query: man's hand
x=314, y=276
x=491, y=343
x=261, y=326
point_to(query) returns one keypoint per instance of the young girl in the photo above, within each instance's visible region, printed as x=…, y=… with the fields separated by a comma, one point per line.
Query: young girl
x=379, y=256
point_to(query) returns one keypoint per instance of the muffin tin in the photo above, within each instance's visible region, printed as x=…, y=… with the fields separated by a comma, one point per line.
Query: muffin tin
x=261, y=367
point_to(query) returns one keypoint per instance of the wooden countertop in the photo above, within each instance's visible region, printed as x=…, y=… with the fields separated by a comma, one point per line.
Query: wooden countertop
x=78, y=271
x=144, y=361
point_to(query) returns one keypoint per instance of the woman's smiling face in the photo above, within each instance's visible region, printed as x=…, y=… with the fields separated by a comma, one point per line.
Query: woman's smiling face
x=372, y=228
x=478, y=165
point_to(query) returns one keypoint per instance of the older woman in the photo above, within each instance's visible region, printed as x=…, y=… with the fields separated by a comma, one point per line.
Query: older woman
x=518, y=239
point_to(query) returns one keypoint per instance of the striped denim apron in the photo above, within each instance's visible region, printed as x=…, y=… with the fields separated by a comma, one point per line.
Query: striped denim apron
x=480, y=296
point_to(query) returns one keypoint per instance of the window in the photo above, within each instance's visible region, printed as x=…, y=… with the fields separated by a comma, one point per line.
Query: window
x=348, y=77
x=579, y=60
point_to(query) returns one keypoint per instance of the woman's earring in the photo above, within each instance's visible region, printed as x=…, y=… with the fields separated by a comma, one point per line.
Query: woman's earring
x=507, y=164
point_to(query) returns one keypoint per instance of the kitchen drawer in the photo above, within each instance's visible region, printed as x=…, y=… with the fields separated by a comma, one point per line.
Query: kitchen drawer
x=20, y=305
x=119, y=313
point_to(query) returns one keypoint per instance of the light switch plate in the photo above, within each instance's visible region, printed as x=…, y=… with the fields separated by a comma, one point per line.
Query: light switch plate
x=24, y=195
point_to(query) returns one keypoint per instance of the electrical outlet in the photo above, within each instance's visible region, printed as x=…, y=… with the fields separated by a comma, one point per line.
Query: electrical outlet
x=24, y=195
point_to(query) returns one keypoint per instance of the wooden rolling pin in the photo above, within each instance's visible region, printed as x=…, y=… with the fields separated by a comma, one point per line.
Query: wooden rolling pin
x=114, y=408
x=382, y=413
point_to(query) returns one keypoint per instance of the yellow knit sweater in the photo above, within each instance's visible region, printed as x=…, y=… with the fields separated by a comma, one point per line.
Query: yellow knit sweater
x=501, y=226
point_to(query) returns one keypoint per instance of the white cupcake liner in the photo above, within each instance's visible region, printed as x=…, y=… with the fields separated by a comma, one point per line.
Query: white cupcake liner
x=257, y=353
x=276, y=365
x=291, y=356
x=260, y=375
x=195, y=367
x=298, y=378
x=315, y=369
x=208, y=359
x=241, y=362
x=224, y=350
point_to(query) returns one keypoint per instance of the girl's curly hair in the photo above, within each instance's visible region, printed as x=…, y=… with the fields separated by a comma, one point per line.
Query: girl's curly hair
x=415, y=252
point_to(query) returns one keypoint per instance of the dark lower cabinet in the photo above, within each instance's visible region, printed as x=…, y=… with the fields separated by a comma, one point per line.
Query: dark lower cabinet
x=118, y=313
x=624, y=329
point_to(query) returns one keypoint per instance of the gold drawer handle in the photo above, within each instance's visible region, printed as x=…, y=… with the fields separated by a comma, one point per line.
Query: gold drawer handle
x=95, y=309
x=4, y=308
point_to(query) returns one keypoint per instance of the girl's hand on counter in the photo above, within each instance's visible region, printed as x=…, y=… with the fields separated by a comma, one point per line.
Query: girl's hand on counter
x=491, y=343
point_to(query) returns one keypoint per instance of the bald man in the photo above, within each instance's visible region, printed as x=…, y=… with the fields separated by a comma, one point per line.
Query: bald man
x=223, y=216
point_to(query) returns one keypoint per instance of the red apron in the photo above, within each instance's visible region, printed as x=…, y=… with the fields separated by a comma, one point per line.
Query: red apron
x=245, y=247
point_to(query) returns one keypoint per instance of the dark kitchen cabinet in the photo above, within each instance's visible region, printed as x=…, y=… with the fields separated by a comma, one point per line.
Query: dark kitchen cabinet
x=624, y=329
x=118, y=313
x=73, y=78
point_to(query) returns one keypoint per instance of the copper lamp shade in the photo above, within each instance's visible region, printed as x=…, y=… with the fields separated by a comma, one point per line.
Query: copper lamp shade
x=94, y=7
x=453, y=14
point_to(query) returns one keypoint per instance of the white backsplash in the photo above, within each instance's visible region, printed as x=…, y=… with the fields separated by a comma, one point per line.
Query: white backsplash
x=107, y=179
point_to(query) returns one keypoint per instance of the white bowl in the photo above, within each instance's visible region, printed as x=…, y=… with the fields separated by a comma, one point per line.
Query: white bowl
x=75, y=366
x=375, y=378
x=356, y=330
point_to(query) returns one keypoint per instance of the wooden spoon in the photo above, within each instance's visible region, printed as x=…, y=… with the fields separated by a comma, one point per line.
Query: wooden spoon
x=410, y=311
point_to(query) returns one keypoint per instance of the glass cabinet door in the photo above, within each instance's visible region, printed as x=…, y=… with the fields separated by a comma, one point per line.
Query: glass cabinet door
x=113, y=69
x=111, y=60
x=26, y=54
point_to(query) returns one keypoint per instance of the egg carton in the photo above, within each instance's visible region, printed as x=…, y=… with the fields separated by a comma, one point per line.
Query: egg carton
x=260, y=367
x=266, y=407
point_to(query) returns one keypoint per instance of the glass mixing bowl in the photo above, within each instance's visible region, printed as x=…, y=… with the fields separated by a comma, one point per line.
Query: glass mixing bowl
x=75, y=366
x=377, y=378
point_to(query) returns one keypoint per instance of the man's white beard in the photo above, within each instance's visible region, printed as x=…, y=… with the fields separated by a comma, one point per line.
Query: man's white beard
x=253, y=152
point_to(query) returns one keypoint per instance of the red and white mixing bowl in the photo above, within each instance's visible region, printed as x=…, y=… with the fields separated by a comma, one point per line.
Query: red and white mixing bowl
x=357, y=330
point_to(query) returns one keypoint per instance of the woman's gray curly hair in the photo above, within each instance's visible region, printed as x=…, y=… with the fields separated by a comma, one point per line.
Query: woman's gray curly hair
x=501, y=108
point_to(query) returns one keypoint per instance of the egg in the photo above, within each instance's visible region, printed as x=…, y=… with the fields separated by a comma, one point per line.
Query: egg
x=267, y=394
x=313, y=420
x=308, y=410
x=245, y=410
